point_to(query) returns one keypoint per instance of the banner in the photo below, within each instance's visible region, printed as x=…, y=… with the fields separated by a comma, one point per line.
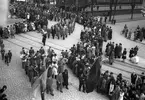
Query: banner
x=94, y=76
x=36, y=84
x=3, y=12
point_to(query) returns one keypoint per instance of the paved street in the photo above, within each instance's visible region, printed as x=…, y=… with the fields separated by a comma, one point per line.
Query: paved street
x=17, y=82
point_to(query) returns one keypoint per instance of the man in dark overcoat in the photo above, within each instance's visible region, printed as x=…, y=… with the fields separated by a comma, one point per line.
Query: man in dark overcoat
x=119, y=50
x=9, y=56
x=59, y=82
x=49, y=88
x=7, y=59
x=116, y=52
x=65, y=78
x=3, y=53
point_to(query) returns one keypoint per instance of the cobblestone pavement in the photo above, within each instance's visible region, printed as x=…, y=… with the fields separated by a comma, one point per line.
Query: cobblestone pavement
x=17, y=82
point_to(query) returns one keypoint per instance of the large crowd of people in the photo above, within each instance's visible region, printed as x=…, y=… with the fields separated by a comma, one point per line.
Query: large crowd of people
x=121, y=89
x=36, y=62
x=79, y=58
x=36, y=19
x=83, y=55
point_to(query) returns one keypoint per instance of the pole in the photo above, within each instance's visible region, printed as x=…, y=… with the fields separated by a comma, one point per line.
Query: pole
x=132, y=8
x=110, y=12
x=92, y=3
x=115, y=9
x=77, y=4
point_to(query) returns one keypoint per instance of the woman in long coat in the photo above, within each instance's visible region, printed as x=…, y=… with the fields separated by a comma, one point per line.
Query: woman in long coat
x=111, y=57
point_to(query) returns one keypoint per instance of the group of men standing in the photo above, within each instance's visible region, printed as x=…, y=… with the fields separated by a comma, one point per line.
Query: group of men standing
x=6, y=56
x=86, y=51
x=37, y=17
x=36, y=63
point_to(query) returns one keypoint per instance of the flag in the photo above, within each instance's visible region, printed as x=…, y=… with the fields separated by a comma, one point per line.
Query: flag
x=3, y=12
x=36, y=84
x=94, y=76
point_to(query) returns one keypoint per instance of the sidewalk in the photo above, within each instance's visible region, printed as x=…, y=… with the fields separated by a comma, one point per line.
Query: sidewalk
x=14, y=77
x=105, y=7
x=118, y=38
x=127, y=18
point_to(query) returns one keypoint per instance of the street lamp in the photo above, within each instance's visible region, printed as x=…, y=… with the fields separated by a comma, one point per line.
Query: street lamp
x=110, y=12
x=132, y=8
x=115, y=5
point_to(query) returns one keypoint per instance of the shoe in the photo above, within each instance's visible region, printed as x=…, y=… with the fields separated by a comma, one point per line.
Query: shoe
x=52, y=94
x=61, y=91
x=67, y=88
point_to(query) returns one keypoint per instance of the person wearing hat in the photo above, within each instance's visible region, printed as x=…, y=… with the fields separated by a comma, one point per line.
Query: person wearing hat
x=49, y=83
x=65, y=78
x=82, y=82
x=3, y=53
x=55, y=58
x=6, y=59
x=9, y=56
x=124, y=54
x=111, y=84
x=133, y=78
x=44, y=37
x=143, y=77
x=116, y=93
x=59, y=82
x=31, y=51
x=111, y=57
x=120, y=50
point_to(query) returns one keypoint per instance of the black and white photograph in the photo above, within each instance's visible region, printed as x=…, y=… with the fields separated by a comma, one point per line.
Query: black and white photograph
x=72, y=49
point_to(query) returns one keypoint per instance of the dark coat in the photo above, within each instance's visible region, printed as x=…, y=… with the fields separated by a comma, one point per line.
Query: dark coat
x=120, y=50
x=116, y=51
x=59, y=78
x=65, y=78
x=49, y=82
